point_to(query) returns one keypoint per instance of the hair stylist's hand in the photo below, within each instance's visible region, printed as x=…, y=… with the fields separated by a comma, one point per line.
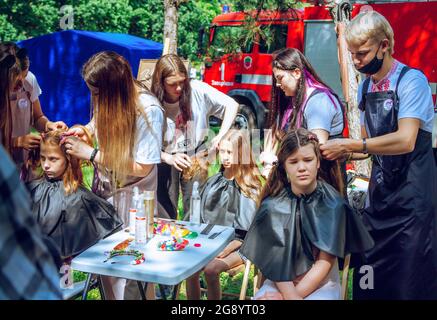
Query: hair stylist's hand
x=333, y=149
x=29, y=141
x=267, y=159
x=77, y=148
x=266, y=170
x=77, y=132
x=180, y=161
x=51, y=126
x=215, y=142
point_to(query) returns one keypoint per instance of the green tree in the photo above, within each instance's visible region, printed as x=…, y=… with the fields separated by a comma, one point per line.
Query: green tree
x=192, y=16
x=107, y=16
x=145, y=18
x=28, y=19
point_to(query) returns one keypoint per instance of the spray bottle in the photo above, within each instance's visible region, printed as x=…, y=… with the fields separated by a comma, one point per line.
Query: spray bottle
x=133, y=211
x=195, y=204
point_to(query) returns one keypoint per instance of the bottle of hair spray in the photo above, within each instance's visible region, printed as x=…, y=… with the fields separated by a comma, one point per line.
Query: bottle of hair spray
x=149, y=210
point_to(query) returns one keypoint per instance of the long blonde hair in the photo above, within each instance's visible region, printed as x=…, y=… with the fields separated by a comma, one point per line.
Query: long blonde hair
x=246, y=172
x=115, y=99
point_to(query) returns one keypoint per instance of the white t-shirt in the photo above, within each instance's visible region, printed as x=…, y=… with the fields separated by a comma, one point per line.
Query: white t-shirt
x=32, y=86
x=415, y=99
x=206, y=101
x=147, y=148
x=148, y=144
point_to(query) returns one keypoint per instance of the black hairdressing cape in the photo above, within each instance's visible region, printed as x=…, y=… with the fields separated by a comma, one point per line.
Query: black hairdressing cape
x=286, y=228
x=224, y=204
x=75, y=222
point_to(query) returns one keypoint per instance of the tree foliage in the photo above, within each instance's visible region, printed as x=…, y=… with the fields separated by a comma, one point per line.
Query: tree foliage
x=236, y=41
x=145, y=18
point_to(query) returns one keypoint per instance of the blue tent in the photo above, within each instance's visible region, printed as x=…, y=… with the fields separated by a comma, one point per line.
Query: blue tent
x=57, y=59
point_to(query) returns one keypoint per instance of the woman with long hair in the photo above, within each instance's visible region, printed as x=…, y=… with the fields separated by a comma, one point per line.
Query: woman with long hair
x=9, y=76
x=228, y=198
x=26, y=111
x=127, y=124
x=300, y=99
x=302, y=226
x=187, y=104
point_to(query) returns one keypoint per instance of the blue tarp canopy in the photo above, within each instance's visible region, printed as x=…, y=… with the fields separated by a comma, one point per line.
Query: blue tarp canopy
x=56, y=59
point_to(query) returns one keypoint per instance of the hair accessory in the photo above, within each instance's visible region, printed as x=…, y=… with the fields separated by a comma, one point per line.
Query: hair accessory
x=313, y=137
x=138, y=256
x=364, y=146
x=93, y=155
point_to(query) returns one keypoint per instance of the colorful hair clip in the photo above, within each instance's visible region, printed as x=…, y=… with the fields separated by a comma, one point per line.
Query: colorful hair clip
x=313, y=137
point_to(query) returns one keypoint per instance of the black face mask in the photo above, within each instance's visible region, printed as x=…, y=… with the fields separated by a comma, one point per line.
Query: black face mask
x=373, y=66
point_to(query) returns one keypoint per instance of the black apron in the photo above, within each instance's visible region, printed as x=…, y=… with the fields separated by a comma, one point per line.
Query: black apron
x=400, y=211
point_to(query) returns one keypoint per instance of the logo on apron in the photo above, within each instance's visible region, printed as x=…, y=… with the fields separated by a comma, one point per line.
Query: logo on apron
x=23, y=103
x=388, y=104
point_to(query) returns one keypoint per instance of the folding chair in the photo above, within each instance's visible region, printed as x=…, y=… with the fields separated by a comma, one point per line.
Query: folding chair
x=257, y=280
x=244, y=285
x=81, y=288
x=345, y=277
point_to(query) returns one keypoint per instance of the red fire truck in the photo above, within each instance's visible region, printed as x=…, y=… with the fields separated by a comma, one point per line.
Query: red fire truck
x=247, y=76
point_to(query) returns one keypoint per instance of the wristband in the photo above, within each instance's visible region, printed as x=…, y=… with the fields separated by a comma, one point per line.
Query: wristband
x=364, y=146
x=93, y=154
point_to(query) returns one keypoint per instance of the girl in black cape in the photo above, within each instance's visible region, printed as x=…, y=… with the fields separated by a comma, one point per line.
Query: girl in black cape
x=66, y=211
x=229, y=199
x=302, y=225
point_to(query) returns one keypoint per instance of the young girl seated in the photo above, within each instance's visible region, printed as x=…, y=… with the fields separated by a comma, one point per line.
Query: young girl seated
x=302, y=225
x=228, y=199
x=71, y=215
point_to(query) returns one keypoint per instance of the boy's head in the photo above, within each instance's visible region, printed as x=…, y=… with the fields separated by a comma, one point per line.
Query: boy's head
x=369, y=36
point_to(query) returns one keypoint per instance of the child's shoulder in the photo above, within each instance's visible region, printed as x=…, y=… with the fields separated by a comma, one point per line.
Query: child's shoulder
x=215, y=177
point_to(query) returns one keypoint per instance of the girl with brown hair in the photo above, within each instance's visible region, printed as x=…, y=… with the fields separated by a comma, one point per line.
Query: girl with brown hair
x=300, y=99
x=127, y=124
x=228, y=198
x=302, y=225
x=187, y=107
